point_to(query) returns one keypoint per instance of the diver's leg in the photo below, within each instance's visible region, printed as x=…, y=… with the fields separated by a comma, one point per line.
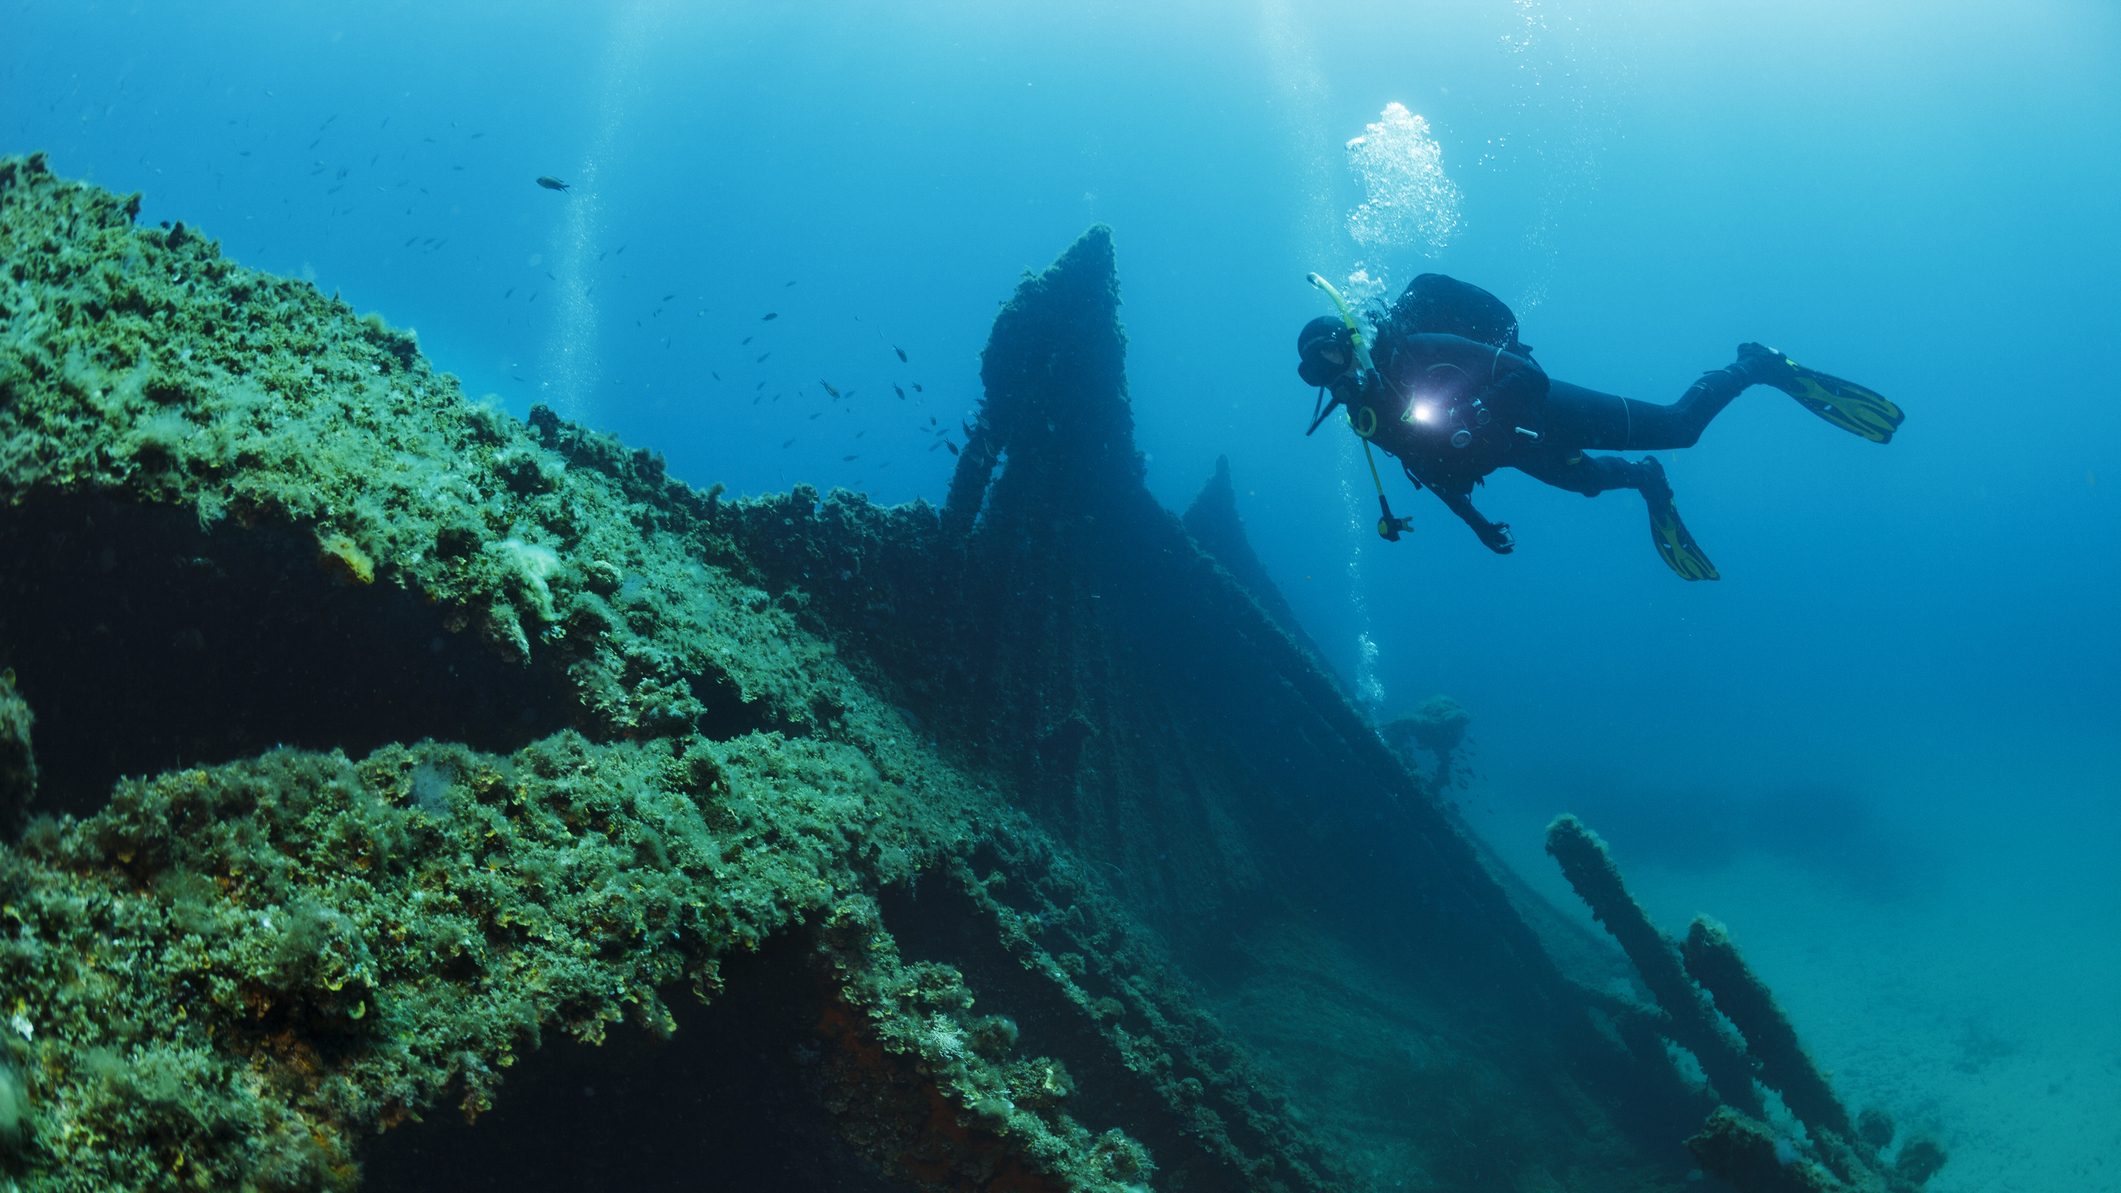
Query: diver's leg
x=1592, y=475
x=1588, y=418
x=1579, y=472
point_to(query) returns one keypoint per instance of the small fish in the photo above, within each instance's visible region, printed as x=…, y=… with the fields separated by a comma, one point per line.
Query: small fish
x=510, y=293
x=900, y=392
x=668, y=297
x=550, y=183
x=901, y=353
x=746, y=341
x=762, y=358
x=787, y=443
x=931, y=420
x=619, y=251
x=951, y=446
x=317, y=142
x=814, y=416
x=938, y=443
x=769, y=316
x=917, y=387
x=828, y=388
x=849, y=459
x=713, y=374
x=409, y=241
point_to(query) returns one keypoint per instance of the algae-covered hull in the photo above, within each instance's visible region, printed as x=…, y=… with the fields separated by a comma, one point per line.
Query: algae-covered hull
x=402, y=763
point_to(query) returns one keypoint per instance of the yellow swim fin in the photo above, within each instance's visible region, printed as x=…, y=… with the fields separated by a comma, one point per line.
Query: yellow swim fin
x=1669, y=535
x=1854, y=408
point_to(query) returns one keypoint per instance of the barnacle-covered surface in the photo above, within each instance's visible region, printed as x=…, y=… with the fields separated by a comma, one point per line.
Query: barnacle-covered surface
x=417, y=764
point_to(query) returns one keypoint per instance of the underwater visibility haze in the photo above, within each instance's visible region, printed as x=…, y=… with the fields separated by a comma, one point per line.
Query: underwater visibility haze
x=1288, y=789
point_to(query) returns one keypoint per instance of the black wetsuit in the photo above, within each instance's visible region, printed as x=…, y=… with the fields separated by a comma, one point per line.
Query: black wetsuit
x=1454, y=410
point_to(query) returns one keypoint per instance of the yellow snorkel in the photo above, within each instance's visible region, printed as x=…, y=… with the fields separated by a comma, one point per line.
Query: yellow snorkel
x=1347, y=316
x=1388, y=526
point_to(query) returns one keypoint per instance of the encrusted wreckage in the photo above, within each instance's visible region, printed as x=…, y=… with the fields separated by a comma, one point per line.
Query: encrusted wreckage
x=398, y=763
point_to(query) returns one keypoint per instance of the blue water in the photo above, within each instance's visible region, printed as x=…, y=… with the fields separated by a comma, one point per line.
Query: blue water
x=1910, y=664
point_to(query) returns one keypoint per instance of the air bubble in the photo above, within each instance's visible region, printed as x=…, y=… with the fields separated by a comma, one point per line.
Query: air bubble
x=1411, y=202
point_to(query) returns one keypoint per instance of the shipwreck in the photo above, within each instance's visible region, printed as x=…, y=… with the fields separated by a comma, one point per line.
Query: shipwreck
x=398, y=794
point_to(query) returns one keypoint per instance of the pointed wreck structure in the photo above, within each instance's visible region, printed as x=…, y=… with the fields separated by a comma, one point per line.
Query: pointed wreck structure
x=374, y=764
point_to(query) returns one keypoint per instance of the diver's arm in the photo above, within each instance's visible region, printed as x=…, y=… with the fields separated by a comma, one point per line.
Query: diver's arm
x=1494, y=535
x=1455, y=490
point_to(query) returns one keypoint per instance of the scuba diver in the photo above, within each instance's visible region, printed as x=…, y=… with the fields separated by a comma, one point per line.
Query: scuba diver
x=1450, y=390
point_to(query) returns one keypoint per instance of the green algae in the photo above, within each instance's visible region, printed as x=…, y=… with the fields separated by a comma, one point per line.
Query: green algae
x=18, y=761
x=142, y=361
x=311, y=947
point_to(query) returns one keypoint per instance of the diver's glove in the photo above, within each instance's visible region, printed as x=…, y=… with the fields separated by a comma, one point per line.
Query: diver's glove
x=1497, y=537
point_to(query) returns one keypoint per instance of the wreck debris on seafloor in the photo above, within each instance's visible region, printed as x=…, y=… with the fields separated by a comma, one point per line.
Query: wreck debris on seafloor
x=1715, y=1008
x=403, y=763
